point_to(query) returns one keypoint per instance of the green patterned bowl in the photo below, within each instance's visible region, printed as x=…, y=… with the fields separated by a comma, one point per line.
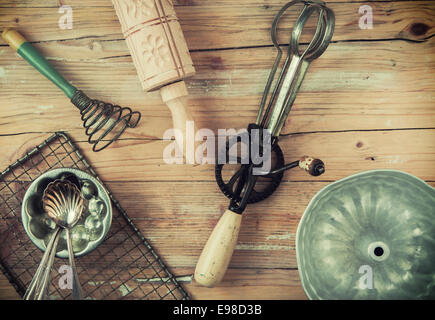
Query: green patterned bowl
x=369, y=236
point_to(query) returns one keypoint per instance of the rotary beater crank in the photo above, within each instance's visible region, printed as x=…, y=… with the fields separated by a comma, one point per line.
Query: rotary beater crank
x=274, y=109
x=240, y=188
x=234, y=187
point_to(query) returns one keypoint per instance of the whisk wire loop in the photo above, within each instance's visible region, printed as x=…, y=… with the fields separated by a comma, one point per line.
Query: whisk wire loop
x=296, y=63
x=241, y=186
x=100, y=119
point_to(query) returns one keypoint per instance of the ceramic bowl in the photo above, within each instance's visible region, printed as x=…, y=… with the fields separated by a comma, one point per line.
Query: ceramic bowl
x=93, y=225
x=369, y=236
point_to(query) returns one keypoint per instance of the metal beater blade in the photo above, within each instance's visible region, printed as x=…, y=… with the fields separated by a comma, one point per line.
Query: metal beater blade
x=296, y=64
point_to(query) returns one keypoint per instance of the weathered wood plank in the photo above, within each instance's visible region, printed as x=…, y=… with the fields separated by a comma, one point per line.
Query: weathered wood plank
x=179, y=230
x=7, y=292
x=238, y=284
x=177, y=3
x=178, y=217
x=255, y=284
x=224, y=24
x=343, y=152
x=355, y=86
x=344, y=90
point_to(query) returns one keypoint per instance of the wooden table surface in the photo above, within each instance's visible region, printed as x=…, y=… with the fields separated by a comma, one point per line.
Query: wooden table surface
x=367, y=103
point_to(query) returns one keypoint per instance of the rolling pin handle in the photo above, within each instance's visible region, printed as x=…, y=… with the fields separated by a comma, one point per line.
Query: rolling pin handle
x=173, y=95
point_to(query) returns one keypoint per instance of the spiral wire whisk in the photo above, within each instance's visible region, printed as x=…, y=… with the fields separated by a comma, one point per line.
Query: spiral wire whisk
x=104, y=122
x=100, y=120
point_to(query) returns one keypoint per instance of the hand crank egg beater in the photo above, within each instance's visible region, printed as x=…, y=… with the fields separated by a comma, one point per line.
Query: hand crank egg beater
x=274, y=109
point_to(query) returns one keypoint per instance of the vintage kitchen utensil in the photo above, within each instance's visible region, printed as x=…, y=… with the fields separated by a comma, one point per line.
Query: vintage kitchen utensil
x=34, y=291
x=63, y=202
x=40, y=208
x=62, y=198
x=92, y=228
x=218, y=250
x=105, y=268
x=369, y=236
x=104, y=122
x=160, y=55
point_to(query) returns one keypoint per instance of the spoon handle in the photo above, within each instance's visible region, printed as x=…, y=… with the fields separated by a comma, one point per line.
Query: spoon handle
x=77, y=292
x=36, y=281
x=43, y=290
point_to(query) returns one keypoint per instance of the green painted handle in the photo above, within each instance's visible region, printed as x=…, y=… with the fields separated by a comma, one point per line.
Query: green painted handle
x=37, y=60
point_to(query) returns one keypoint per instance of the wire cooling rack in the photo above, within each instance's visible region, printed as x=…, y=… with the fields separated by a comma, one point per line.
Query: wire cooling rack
x=124, y=266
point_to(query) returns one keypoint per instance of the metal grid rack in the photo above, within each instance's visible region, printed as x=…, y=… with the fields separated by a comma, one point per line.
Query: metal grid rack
x=124, y=266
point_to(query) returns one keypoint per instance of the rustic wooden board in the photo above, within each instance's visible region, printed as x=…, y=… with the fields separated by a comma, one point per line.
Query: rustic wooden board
x=107, y=3
x=274, y=282
x=343, y=152
x=224, y=94
x=367, y=103
x=178, y=230
x=224, y=24
x=252, y=284
x=267, y=236
x=7, y=292
x=238, y=284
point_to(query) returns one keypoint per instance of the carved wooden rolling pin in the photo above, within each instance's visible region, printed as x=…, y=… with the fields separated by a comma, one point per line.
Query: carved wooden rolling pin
x=159, y=53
